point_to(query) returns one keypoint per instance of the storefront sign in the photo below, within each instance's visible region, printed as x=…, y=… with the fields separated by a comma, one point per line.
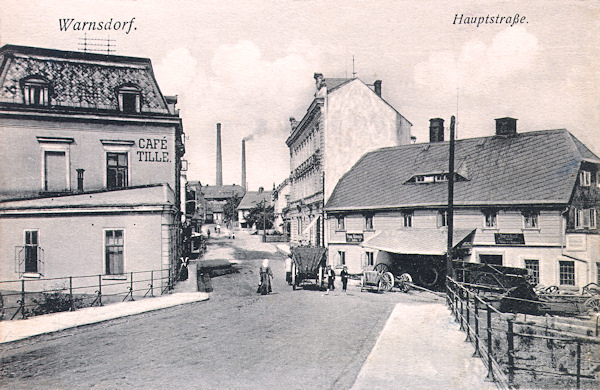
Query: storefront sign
x=154, y=150
x=354, y=237
x=509, y=238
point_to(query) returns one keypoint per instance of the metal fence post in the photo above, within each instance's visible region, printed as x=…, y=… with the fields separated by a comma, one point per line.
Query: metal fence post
x=476, y=314
x=490, y=375
x=510, y=353
x=100, y=290
x=131, y=286
x=71, y=292
x=578, y=364
x=468, y=317
x=22, y=306
x=151, y=283
x=462, y=326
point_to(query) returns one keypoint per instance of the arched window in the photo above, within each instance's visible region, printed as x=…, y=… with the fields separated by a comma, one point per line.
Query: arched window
x=35, y=91
x=130, y=98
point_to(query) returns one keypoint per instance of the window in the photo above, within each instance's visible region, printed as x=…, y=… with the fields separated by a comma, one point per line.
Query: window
x=585, y=178
x=598, y=273
x=55, y=171
x=113, y=249
x=530, y=219
x=370, y=258
x=342, y=256
x=130, y=98
x=340, y=223
x=407, y=218
x=369, y=222
x=566, y=273
x=533, y=270
x=35, y=91
x=491, y=259
x=31, y=251
x=116, y=170
x=585, y=218
x=490, y=219
x=442, y=218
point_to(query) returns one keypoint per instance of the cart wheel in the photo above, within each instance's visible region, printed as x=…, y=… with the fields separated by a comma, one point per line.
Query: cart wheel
x=387, y=281
x=428, y=276
x=381, y=268
x=320, y=278
x=403, y=282
x=593, y=304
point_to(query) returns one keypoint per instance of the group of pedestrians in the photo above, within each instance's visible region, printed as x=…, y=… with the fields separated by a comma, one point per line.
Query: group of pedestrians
x=330, y=273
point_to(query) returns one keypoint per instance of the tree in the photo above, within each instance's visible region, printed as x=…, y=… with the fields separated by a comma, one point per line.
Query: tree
x=257, y=214
x=230, y=208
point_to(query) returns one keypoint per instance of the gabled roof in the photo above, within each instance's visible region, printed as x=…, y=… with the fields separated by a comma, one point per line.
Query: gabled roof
x=334, y=83
x=530, y=168
x=253, y=198
x=86, y=81
x=222, y=192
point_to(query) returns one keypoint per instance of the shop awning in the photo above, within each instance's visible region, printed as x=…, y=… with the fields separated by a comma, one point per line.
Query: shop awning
x=416, y=241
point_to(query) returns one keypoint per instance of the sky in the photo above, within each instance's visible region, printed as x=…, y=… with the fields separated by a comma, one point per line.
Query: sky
x=249, y=65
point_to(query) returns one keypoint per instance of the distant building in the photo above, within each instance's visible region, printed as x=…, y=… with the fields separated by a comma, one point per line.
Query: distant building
x=250, y=201
x=345, y=120
x=281, y=199
x=216, y=197
x=92, y=155
x=527, y=200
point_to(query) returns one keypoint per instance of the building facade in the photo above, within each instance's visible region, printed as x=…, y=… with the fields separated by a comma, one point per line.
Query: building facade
x=526, y=200
x=281, y=200
x=94, y=180
x=251, y=200
x=216, y=197
x=345, y=120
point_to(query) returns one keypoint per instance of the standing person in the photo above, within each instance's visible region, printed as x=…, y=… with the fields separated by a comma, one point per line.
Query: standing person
x=330, y=279
x=344, y=276
x=288, y=269
x=265, y=278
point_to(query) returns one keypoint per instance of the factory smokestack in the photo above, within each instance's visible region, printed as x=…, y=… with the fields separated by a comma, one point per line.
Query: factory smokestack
x=244, y=164
x=219, y=157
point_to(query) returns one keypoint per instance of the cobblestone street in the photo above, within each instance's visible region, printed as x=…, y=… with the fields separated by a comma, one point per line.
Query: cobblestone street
x=238, y=339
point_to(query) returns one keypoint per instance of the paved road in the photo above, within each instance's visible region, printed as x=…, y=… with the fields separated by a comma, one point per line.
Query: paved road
x=238, y=339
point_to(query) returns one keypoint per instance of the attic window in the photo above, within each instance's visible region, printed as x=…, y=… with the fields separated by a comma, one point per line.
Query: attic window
x=130, y=98
x=585, y=178
x=35, y=91
x=439, y=177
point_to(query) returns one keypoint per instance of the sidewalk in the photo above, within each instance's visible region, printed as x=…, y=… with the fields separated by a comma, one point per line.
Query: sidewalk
x=421, y=347
x=49, y=323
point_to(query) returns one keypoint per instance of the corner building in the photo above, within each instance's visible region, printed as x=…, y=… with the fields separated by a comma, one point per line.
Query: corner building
x=93, y=155
x=346, y=119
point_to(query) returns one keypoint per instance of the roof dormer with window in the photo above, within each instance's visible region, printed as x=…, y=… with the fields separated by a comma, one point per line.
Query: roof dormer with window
x=129, y=97
x=36, y=91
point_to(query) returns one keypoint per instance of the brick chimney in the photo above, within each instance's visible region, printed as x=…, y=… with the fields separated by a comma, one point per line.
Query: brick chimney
x=506, y=126
x=377, y=87
x=436, y=130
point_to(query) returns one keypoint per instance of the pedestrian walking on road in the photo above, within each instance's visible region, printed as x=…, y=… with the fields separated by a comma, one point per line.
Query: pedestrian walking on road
x=330, y=279
x=265, y=278
x=344, y=276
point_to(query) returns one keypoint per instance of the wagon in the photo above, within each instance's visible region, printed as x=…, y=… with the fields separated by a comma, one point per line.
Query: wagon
x=381, y=280
x=308, y=266
x=554, y=301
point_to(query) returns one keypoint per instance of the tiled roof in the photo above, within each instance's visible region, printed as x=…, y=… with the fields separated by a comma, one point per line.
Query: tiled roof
x=334, y=83
x=252, y=198
x=80, y=80
x=222, y=192
x=537, y=167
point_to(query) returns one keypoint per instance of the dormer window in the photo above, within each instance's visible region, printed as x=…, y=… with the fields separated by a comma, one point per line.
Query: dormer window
x=35, y=91
x=130, y=98
x=585, y=178
x=439, y=177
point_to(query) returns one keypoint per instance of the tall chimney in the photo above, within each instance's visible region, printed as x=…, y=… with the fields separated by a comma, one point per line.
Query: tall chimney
x=436, y=130
x=506, y=126
x=219, y=157
x=243, y=163
x=377, y=87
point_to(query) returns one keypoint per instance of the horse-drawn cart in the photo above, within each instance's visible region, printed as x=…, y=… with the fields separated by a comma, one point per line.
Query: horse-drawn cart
x=308, y=266
x=380, y=280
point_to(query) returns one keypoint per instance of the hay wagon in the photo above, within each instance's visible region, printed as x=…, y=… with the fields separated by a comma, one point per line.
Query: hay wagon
x=308, y=266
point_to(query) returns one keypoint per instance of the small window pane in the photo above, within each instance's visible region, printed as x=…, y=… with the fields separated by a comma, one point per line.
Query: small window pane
x=567, y=273
x=533, y=270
